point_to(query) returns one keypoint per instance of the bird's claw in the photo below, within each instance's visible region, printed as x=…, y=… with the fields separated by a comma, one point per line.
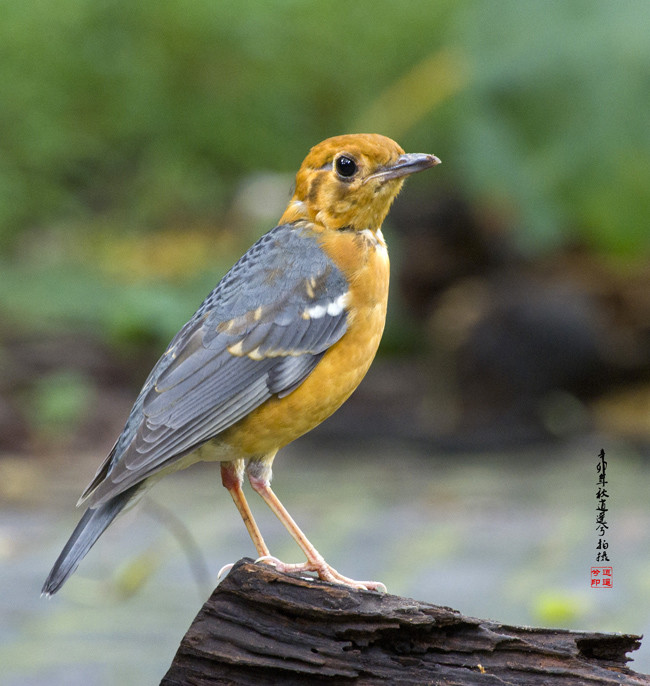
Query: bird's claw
x=269, y=560
x=224, y=570
x=324, y=572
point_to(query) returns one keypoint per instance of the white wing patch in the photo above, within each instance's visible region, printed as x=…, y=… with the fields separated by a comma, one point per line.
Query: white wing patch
x=332, y=308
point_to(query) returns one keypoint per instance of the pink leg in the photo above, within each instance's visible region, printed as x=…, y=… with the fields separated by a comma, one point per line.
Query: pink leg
x=259, y=477
x=232, y=476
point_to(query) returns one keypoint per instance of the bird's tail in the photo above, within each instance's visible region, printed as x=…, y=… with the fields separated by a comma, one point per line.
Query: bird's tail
x=91, y=526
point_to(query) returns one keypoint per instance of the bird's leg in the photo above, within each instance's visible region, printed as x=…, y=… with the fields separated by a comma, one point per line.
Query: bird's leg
x=259, y=475
x=232, y=477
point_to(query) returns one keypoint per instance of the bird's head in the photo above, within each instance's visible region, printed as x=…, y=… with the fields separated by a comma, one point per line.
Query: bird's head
x=349, y=182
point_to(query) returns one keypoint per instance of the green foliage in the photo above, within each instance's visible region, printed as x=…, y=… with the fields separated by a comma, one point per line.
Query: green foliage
x=56, y=403
x=554, y=122
x=153, y=108
x=51, y=299
x=147, y=115
x=559, y=608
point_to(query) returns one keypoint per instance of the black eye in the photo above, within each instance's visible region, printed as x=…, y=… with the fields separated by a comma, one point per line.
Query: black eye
x=345, y=166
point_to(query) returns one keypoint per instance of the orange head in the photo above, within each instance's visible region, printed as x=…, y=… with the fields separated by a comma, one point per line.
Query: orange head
x=350, y=181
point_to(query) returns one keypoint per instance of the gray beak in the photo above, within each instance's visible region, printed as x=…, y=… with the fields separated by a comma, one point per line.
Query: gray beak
x=405, y=165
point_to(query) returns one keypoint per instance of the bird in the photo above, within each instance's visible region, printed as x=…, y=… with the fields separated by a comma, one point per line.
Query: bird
x=281, y=342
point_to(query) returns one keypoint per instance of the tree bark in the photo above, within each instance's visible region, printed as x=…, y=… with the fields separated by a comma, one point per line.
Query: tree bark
x=262, y=627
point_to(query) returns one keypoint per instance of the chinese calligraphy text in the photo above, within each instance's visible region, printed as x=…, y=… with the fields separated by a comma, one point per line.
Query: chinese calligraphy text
x=601, y=577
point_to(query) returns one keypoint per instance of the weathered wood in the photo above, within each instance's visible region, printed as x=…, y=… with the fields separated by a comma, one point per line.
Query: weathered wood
x=263, y=627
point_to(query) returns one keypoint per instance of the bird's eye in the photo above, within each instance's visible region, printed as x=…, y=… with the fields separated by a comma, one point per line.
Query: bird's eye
x=345, y=166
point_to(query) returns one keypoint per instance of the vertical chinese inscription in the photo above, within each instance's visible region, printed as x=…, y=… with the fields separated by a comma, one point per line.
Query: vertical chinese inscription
x=601, y=577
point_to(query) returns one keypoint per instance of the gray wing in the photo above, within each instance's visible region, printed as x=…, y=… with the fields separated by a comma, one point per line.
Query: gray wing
x=260, y=333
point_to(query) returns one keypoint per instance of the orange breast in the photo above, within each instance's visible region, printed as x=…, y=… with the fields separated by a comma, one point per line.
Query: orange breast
x=362, y=257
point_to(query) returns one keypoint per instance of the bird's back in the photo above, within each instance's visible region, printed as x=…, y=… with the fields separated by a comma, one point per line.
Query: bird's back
x=363, y=259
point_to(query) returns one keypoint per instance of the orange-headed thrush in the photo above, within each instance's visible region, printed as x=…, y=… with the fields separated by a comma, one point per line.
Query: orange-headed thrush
x=281, y=342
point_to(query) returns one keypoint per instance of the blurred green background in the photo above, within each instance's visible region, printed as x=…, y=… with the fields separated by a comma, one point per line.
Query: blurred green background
x=146, y=145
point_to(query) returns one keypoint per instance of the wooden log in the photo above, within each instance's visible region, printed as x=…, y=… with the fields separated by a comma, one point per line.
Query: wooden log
x=262, y=627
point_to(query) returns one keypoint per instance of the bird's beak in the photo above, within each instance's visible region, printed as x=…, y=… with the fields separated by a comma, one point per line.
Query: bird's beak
x=409, y=163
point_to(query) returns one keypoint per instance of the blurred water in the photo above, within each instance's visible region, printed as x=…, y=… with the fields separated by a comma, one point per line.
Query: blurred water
x=506, y=536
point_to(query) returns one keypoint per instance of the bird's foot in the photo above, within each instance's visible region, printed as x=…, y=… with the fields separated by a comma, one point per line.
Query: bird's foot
x=324, y=571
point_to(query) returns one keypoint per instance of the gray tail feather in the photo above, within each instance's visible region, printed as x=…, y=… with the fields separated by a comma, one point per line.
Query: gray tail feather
x=91, y=526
